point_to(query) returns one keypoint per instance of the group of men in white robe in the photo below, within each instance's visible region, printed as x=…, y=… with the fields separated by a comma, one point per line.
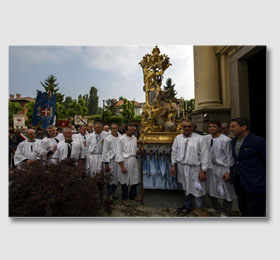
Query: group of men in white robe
x=202, y=164
x=96, y=151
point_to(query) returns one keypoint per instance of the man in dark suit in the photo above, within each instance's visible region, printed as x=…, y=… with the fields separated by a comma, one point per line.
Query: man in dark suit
x=248, y=173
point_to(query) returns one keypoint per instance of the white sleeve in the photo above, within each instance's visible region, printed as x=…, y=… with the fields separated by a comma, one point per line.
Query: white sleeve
x=55, y=157
x=83, y=151
x=44, y=145
x=204, y=154
x=19, y=155
x=174, y=151
x=119, y=156
x=105, y=152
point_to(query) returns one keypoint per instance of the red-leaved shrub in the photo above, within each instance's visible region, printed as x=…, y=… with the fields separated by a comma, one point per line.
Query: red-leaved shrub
x=49, y=190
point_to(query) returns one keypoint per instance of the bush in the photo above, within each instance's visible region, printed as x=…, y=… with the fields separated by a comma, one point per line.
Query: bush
x=117, y=119
x=95, y=118
x=137, y=118
x=62, y=190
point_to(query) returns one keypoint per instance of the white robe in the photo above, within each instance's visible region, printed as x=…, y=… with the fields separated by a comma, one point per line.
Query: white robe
x=220, y=160
x=94, y=156
x=60, y=137
x=24, y=151
x=62, y=151
x=126, y=152
x=48, y=145
x=82, y=138
x=191, y=156
x=109, y=154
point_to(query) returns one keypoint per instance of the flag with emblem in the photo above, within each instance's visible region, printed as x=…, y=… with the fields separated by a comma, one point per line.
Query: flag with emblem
x=44, y=109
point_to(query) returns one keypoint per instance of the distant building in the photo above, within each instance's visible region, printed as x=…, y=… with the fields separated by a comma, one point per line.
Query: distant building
x=22, y=101
x=138, y=107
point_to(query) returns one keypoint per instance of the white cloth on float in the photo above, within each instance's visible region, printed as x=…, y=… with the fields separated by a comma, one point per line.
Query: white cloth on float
x=191, y=155
x=126, y=152
x=28, y=150
x=95, y=149
x=220, y=160
x=109, y=154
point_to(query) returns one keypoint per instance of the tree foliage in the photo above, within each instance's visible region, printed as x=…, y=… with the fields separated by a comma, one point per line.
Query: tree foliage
x=50, y=84
x=14, y=108
x=128, y=110
x=76, y=108
x=92, y=101
x=30, y=108
x=171, y=87
x=190, y=105
x=111, y=105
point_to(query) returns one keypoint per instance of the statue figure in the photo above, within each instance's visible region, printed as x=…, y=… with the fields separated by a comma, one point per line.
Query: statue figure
x=159, y=111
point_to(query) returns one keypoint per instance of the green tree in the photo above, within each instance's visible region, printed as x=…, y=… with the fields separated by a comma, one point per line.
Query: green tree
x=99, y=111
x=85, y=97
x=171, y=87
x=190, y=105
x=111, y=105
x=76, y=108
x=67, y=101
x=30, y=108
x=92, y=101
x=50, y=84
x=60, y=111
x=107, y=115
x=14, y=108
x=128, y=110
x=59, y=97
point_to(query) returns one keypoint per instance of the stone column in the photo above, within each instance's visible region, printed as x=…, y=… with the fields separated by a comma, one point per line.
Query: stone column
x=207, y=93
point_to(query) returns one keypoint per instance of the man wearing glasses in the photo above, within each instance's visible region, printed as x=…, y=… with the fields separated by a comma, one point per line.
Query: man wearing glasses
x=190, y=153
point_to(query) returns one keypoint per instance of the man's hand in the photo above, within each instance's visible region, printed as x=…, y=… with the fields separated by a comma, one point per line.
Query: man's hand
x=85, y=144
x=55, y=148
x=30, y=161
x=173, y=173
x=123, y=169
x=202, y=176
x=226, y=177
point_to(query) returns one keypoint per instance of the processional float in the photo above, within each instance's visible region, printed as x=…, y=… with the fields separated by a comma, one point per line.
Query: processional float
x=159, y=125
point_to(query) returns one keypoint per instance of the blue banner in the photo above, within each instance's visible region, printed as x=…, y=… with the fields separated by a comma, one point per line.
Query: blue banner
x=44, y=109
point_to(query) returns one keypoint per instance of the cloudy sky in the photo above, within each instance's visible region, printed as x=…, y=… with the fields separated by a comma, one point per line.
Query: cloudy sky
x=113, y=70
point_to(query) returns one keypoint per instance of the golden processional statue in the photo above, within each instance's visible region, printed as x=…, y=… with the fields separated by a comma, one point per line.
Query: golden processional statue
x=158, y=123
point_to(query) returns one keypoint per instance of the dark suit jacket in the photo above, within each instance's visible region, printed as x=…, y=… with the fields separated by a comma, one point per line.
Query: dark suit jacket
x=250, y=164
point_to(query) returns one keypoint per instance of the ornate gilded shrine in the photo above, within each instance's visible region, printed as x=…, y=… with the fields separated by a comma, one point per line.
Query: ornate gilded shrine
x=158, y=124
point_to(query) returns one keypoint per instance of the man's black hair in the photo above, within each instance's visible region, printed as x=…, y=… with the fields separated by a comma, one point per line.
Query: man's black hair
x=128, y=125
x=241, y=121
x=215, y=122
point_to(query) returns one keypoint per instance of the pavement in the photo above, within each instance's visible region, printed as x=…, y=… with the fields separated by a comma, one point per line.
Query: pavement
x=165, y=199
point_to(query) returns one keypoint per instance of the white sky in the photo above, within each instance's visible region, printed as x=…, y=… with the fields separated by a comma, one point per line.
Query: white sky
x=113, y=70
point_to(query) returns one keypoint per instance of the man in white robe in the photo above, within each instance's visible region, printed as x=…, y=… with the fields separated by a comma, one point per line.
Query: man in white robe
x=49, y=144
x=95, y=149
x=29, y=150
x=82, y=137
x=190, y=153
x=90, y=127
x=220, y=160
x=108, y=157
x=126, y=157
x=68, y=149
